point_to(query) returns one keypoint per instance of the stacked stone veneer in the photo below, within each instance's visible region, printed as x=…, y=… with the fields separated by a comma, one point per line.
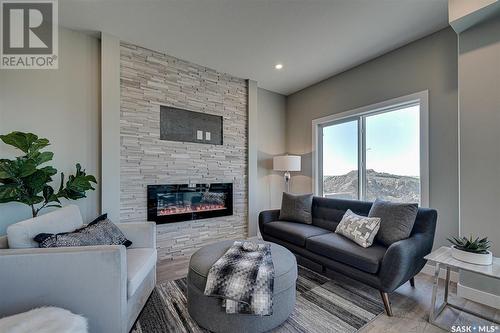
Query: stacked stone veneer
x=150, y=79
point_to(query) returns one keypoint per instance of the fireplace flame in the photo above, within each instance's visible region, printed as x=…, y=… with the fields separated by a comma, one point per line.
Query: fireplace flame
x=172, y=210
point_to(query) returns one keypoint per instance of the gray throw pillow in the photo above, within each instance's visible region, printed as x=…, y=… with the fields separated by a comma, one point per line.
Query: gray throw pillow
x=359, y=229
x=296, y=208
x=101, y=231
x=397, y=220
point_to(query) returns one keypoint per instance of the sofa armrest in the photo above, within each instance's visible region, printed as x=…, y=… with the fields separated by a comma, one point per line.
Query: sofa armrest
x=141, y=234
x=90, y=280
x=267, y=216
x=403, y=260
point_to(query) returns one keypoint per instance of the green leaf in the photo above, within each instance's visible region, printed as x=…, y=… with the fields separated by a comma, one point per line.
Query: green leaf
x=91, y=178
x=48, y=192
x=37, y=181
x=40, y=158
x=39, y=144
x=62, y=183
x=20, y=140
x=26, y=168
x=77, y=185
x=49, y=171
x=7, y=169
x=80, y=183
x=8, y=193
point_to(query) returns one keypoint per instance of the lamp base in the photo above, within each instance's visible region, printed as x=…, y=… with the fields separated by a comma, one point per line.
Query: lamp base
x=287, y=181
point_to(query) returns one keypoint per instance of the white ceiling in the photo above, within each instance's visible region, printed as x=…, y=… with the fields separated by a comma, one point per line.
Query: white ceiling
x=313, y=39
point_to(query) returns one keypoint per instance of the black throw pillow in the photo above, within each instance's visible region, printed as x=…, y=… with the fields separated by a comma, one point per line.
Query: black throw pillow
x=296, y=208
x=397, y=220
x=101, y=231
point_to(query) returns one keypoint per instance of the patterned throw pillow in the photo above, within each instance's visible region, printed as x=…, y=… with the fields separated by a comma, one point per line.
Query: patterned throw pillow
x=360, y=229
x=101, y=231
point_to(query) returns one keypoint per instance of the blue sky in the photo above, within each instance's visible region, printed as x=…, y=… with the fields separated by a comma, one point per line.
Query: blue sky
x=392, y=144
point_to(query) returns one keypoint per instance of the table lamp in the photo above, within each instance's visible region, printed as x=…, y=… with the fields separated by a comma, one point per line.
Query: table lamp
x=286, y=163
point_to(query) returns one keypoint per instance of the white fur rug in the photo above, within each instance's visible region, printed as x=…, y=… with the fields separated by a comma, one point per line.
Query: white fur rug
x=44, y=320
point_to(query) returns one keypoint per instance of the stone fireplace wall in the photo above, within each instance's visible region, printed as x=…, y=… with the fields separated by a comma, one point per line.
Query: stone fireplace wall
x=149, y=79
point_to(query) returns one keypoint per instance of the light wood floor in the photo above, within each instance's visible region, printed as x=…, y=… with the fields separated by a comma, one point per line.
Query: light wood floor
x=410, y=305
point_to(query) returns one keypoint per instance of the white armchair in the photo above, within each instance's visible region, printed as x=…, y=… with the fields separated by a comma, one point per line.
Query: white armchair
x=108, y=285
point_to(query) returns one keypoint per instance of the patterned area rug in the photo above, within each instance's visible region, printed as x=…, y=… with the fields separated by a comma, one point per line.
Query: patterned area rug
x=323, y=305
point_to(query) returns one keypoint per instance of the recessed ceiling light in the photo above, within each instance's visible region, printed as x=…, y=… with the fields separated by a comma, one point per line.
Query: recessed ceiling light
x=278, y=66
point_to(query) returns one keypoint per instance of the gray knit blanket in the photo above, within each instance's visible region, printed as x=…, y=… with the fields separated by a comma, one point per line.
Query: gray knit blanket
x=244, y=279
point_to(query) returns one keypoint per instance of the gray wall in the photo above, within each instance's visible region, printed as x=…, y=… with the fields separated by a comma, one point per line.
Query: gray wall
x=429, y=63
x=479, y=86
x=62, y=105
x=271, y=142
x=110, y=126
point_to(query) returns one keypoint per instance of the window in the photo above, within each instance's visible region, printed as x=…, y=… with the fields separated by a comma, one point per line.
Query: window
x=378, y=151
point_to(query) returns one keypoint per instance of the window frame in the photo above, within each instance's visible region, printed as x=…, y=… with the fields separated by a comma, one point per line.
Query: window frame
x=360, y=114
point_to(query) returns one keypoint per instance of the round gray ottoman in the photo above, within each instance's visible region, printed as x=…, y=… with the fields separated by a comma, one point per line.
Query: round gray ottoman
x=208, y=311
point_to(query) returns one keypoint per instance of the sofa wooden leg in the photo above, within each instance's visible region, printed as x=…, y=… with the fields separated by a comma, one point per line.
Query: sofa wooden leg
x=387, y=304
x=412, y=282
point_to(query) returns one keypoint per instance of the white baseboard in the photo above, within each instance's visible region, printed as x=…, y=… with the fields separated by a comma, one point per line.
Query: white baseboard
x=478, y=296
x=429, y=270
x=469, y=293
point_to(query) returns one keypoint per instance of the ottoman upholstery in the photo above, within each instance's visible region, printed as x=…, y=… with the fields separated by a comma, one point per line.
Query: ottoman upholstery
x=208, y=312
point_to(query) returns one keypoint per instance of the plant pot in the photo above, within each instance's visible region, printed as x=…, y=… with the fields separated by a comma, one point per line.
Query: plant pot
x=473, y=258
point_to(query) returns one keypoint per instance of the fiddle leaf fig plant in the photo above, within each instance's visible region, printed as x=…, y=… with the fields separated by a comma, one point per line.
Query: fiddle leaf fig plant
x=25, y=180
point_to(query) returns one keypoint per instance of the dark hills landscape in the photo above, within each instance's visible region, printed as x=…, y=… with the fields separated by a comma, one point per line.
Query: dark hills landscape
x=380, y=185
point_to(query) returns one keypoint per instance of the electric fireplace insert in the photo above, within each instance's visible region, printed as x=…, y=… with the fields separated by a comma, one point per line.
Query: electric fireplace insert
x=183, y=202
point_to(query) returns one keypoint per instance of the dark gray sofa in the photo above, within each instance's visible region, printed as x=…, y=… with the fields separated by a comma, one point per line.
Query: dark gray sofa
x=316, y=245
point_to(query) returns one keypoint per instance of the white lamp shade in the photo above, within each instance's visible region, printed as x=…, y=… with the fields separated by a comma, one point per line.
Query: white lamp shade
x=286, y=163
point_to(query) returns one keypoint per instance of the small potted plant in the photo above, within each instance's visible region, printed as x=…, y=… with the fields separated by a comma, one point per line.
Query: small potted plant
x=474, y=251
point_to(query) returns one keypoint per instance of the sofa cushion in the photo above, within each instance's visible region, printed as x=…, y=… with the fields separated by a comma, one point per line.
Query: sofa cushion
x=140, y=262
x=292, y=232
x=296, y=208
x=20, y=235
x=397, y=220
x=339, y=248
x=327, y=213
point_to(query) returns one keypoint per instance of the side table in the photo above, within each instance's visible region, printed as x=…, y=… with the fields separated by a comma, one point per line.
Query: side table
x=442, y=258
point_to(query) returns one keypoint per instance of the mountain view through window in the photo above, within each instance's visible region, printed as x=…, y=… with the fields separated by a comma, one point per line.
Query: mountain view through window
x=382, y=150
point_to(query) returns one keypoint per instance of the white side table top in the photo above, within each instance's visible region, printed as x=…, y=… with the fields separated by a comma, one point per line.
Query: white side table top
x=443, y=256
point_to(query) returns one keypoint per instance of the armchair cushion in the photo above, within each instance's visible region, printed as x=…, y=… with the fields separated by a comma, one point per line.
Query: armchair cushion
x=141, y=234
x=66, y=219
x=140, y=262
